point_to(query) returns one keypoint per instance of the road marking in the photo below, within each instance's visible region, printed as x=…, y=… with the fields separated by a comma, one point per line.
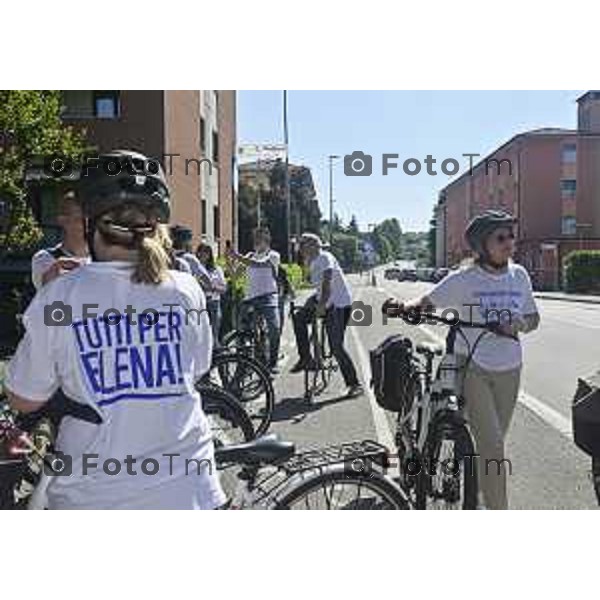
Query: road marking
x=382, y=425
x=548, y=414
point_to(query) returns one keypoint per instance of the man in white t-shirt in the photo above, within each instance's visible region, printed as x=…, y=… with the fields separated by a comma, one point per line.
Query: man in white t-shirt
x=333, y=301
x=49, y=263
x=262, y=293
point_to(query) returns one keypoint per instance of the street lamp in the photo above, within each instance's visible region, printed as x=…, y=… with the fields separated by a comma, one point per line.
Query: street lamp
x=287, y=176
x=331, y=157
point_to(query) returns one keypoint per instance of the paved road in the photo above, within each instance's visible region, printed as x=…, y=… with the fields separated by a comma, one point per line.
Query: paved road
x=548, y=470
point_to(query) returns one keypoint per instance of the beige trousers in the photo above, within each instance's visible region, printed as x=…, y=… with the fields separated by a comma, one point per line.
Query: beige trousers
x=490, y=398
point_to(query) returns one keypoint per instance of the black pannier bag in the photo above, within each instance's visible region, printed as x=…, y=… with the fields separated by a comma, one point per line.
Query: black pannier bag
x=393, y=376
x=586, y=415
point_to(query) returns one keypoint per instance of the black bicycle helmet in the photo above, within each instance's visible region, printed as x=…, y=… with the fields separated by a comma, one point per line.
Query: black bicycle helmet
x=483, y=225
x=124, y=177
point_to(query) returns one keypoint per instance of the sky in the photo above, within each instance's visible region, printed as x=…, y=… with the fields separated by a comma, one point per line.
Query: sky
x=412, y=124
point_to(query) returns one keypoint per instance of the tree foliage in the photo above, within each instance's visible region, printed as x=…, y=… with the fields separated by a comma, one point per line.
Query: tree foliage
x=30, y=126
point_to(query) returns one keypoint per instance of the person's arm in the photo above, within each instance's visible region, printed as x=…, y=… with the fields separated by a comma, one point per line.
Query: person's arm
x=42, y=263
x=250, y=260
x=31, y=375
x=529, y=320
x=445, y=294
x=325, y=291
x=219, y=284
x=201, y=331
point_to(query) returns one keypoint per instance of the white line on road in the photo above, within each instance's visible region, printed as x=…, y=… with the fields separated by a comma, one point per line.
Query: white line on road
x=550, y=416
x=382, y=426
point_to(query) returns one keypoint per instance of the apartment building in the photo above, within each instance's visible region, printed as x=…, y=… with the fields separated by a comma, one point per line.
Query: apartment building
x=547, y=179
x=193, y=132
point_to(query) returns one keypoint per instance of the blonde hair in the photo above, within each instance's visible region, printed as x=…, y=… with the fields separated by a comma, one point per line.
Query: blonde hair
x=150, y=256
x=153, y=261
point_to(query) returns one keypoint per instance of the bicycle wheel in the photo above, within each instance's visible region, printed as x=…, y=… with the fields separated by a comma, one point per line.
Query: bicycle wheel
x=332, y=488
x=448, y=476
x=248, y=382
x=229, y=422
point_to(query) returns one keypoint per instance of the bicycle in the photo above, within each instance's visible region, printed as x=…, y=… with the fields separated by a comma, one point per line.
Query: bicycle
x=248, y=381
x=229, y=422
x=252, y=338
x=272, y=476
x=432, y=434
x=316, y=379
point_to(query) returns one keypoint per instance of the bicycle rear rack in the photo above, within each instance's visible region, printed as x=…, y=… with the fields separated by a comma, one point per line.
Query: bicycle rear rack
x=337, y=454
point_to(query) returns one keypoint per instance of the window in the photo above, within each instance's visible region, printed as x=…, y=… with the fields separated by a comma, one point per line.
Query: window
x=106, y=105
x=88, y=104
x=215, y=147
x=569, y=226
x=217, y=222
x=202, y=135
x=569, y=153
x=568, y=187
x=203, y=216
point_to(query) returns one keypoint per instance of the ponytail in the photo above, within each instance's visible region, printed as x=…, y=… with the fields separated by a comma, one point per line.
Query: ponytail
x=152, y=262
x=145, y=242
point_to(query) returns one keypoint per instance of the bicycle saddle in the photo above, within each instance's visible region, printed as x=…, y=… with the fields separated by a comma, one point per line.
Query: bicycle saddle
x=265, y=450
x=427, y=348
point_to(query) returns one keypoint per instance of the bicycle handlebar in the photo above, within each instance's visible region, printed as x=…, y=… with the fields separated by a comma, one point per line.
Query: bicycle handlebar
x=415, y=317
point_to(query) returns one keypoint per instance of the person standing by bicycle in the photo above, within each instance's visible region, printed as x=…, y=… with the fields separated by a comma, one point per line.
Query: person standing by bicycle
x=70, y=253
x=491, y=290
x=333, y=302
x=218, y=286
x=136, y=367
x=262, y=293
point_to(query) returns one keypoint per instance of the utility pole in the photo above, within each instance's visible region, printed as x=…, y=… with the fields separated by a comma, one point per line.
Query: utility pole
x=287, y=179
x=332, y=157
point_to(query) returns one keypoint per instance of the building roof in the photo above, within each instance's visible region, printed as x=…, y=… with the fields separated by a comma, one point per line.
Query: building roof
x=589, y=95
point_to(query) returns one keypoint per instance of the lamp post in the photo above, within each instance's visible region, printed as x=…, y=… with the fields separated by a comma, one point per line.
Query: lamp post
x=331, y=157
x=287, y=177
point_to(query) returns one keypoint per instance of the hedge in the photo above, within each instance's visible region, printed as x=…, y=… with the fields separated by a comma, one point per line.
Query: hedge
x=581, y=271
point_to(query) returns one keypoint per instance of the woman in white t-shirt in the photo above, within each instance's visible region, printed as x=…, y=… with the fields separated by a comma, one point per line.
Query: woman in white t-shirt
x=216, y=287
x=491, y=289
x=134, y=338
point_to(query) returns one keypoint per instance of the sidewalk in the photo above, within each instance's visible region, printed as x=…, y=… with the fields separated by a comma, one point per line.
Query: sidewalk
x=585, y=299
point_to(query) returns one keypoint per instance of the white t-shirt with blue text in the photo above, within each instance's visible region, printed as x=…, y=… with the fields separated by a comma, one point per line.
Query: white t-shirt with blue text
x=491, y=298
x=138, y=374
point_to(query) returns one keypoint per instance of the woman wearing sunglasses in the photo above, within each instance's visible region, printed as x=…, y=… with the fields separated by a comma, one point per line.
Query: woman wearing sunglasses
x=490, y=289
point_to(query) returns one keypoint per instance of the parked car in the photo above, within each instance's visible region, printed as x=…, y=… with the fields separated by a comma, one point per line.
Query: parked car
x=439, y=274
x=409, y=275
x=392, y=273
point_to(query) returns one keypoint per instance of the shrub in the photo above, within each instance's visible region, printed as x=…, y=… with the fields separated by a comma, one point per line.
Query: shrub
x=581, y=271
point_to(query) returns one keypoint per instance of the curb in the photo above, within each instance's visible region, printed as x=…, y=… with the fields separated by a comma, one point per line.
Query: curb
x=580, y=300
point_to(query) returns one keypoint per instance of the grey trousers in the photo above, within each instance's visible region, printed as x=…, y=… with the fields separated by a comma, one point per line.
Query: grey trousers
x=490, y=399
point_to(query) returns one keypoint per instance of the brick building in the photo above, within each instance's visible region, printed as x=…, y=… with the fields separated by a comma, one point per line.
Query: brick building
x=197, y=128
x=547, y=178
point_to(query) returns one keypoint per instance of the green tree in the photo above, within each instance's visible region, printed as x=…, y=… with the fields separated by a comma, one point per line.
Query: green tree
x=390, y=229
x=353, y=226
x=30, y=126
x=345, y=249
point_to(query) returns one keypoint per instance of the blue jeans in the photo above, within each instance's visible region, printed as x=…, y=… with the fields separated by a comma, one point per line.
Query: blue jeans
x=214, y=314
x=268, y=307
